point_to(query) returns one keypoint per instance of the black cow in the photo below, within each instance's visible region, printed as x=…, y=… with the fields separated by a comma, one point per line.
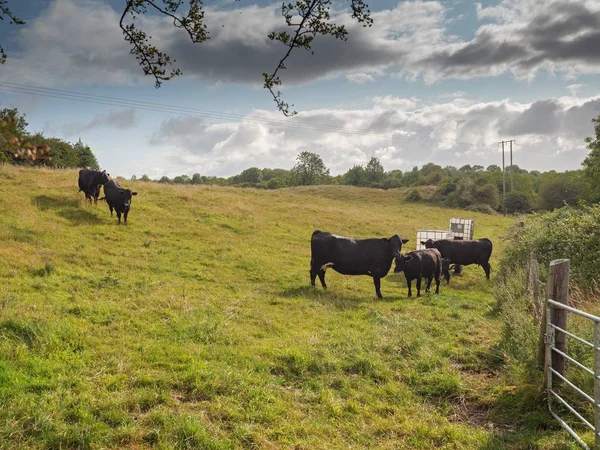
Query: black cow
x=118, y=198
x=464, y=253
x=419, y=264
x=350, y=256
x=90, y=182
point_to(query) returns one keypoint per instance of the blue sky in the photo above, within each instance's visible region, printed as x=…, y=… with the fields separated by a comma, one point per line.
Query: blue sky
x=439, y=81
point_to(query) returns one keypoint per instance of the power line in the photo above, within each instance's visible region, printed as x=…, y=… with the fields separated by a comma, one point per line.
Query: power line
x=60, y=94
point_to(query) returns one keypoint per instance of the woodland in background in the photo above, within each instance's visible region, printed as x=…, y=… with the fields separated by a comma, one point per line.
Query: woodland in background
x=19, y=147
x=475, y=188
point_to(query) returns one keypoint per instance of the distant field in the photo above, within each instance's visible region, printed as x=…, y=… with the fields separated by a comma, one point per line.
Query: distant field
x=195, y=326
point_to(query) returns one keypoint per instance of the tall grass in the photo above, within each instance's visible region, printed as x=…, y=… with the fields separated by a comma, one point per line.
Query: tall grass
x=195, y=326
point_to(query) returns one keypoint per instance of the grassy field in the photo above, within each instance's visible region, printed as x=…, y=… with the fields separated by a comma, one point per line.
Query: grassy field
x=195, y=327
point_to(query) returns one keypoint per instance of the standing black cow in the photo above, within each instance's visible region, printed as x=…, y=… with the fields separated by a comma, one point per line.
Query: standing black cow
x=90, y=182
x=118, y=198
x=477, y=251
x=350, y=256
x=419, y=264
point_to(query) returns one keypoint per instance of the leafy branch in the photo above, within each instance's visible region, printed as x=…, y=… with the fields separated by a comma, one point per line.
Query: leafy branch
x=14, y=20
x=310, y=18
x=153, y=61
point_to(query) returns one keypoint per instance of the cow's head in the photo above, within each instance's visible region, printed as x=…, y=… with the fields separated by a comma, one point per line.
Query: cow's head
x=429, y=243
x=397, y=242
x=401, y=262
x=126, y=196
x=103, y=179
x=446, y=269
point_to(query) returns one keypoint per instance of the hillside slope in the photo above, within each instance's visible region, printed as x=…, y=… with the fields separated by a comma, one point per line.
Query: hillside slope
x=195, y=326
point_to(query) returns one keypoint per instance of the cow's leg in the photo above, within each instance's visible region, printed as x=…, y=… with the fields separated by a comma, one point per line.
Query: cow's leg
x=377, y=283
x=322, y=279
x=437, y=283
x=428, y=285
x=418, y=286
x=487, y=268
x=409, y=282
x=313, y=276
x=111, y=210
x=119, y=217
x=125, y=217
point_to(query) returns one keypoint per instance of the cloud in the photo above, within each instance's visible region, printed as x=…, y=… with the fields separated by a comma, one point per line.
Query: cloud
x=360, y=78
x=121, y=120
x=401, y=132
x=412, y=40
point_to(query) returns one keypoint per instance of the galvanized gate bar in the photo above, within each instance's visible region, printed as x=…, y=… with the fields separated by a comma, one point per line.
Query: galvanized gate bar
x=573, y=310
x=570, y=430
x=571, y=385
x=570, y=408
x=597, y=384
x=583, y=341
x=551, y=330
x=574, y=361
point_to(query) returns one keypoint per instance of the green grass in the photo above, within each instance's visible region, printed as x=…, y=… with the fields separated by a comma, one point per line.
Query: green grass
x=195, y=327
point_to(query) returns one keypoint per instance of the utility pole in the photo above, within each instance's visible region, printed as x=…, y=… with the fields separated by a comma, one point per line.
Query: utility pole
x=504, y=173
x=503, y=182
x=511, y=164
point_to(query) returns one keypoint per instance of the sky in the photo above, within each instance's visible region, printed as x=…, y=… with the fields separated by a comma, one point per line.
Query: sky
x=431, y=81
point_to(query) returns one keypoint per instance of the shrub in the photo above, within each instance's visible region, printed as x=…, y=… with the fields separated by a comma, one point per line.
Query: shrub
x=276, y=183
x=413, y=195
x=481, y=208
x=571, y=232
x=488, y=194
x=517, y=202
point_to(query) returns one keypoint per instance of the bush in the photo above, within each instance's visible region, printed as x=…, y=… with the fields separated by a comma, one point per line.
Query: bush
x=482, y=208
x=571, y=232
x=413, y=195
x=276, y=183
x=517, y=202
x=488, y=194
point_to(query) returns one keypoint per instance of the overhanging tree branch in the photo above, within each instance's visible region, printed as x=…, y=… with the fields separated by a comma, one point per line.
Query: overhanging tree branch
x=315, y=16
x=308, y=18
x=153, y=61
x=14, y=20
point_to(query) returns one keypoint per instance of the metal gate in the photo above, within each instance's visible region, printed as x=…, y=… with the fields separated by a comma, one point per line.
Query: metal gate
x=551, y=331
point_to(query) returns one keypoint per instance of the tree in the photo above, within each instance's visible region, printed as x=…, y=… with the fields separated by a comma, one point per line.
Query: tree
x=517, y=202
x=488, y=194
x=560, y=189
x=591, y=164
x=310, y=169
x=145, y=177
x=251, y=175
x=355, y=176
x=374, y=172
x=196, y=179
x=306, y=18
x=493, y=168
x=85, y=156
x=182, y=179
x=165, y=180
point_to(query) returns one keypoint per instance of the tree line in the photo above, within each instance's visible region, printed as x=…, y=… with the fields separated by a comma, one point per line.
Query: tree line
x=472, y=187
x=18, y=146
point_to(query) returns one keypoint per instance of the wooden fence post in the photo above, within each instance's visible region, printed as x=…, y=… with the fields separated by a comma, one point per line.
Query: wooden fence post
x=534, y=288
x=558, y=290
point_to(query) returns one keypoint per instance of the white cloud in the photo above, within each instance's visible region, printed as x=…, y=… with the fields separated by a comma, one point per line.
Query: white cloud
x=120, y=119
x=412, y=40
x=549, y=135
